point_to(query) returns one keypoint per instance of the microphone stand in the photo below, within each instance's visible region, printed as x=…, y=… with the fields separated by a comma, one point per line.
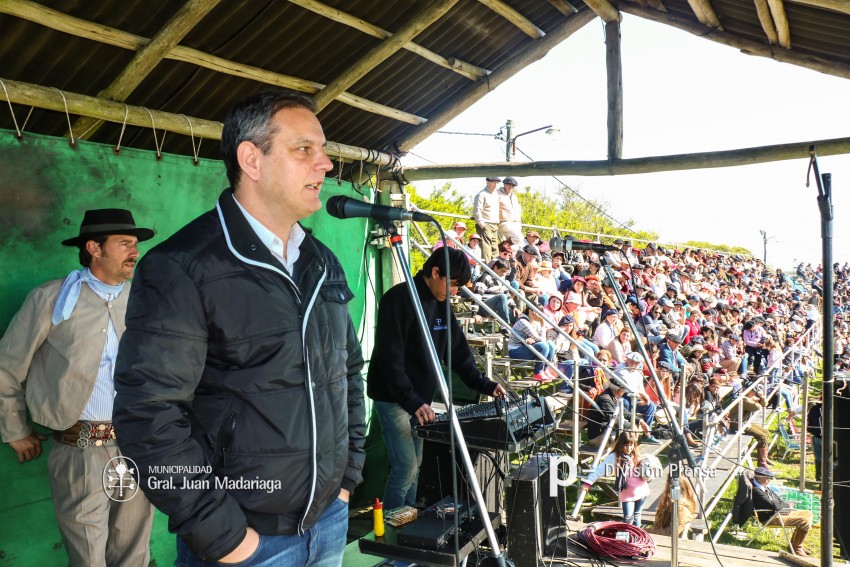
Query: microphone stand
x=681, y=444
x=396, y=240
x=824, y=198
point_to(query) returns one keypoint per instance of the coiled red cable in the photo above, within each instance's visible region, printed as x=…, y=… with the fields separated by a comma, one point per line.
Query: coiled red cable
x=601, y=539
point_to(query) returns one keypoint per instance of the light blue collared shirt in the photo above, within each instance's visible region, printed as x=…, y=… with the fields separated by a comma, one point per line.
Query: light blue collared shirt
x=99, y=406
x=275, y=244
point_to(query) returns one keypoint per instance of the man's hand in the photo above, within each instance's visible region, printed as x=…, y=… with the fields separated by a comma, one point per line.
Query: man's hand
x=499, y=392
x=344, y=495
x=425, y=414
x=245, y=549
x=28, y=448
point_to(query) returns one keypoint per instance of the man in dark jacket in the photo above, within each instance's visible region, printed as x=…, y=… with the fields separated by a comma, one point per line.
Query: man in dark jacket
x=597, y=421
x=401, y=376
x=767, y=503
x=238, y=381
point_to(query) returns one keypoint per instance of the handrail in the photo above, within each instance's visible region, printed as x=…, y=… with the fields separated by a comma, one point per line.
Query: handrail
x=597, y=235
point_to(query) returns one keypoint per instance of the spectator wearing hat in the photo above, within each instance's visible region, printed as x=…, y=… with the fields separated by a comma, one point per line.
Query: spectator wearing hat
x=533, y=237
x=616, y=258
x=57, y=360
x=766, y=502
x=485, y=211
x=545, y=281
x=668, y=352
x=594, y=294
x=564, y=349
x=608, y=329
x=510, y=212
x=526, y=269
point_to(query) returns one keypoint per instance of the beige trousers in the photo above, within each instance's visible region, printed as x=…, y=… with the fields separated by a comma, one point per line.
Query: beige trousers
x=97, y=531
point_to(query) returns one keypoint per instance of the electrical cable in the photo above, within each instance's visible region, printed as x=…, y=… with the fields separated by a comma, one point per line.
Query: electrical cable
x=602, y=539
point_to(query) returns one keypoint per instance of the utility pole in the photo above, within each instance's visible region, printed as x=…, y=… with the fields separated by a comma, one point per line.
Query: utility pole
x=509, y=141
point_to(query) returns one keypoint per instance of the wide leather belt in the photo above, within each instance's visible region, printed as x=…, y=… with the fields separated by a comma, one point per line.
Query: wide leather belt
x=86, y=434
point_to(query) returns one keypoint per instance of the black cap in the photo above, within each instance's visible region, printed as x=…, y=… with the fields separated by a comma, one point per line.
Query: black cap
x=510, y=181
x=531, y=249
x=493, y=179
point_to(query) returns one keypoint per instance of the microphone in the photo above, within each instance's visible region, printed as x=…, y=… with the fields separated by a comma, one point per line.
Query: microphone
x=592, y=246
x=346, y=208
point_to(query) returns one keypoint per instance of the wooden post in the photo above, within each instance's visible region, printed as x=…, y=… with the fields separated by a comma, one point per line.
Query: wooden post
x=614, y=64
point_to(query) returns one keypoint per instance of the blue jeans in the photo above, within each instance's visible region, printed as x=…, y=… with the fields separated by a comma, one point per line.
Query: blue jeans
x=745, y=364
x=321, y=546
x=632, y=511
x=645, y=411
x=499, y=305
x=404, y=453
x=525, y=352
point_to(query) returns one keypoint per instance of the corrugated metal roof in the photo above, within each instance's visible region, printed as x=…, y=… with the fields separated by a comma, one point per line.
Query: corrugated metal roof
x=285, y=38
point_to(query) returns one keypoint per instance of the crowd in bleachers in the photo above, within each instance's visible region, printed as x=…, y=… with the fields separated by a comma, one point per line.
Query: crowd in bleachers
x=701, y=315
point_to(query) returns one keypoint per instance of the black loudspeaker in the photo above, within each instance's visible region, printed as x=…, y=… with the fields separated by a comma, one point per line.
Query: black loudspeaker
x=435, y=476
x=535, y=519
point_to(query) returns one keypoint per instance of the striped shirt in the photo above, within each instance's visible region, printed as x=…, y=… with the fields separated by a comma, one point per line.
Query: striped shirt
x=99, y=406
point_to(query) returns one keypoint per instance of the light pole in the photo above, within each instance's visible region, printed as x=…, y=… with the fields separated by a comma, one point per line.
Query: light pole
x=765, y=238
x=510, y=148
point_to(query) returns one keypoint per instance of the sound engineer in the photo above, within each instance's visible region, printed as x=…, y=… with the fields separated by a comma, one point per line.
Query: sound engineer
x=401, y=379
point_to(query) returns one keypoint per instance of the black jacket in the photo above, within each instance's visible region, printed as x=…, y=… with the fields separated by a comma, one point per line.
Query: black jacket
x=400, y=370
x=766, y=502
x=233, y=369
x=597, y=421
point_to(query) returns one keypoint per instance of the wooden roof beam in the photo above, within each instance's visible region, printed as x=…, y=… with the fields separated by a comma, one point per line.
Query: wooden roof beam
x=677, y=162
x=841, y=6
x=514, y=17
x=377, y=55
x=48, y=98
x=614, y=66
x=777, y=10
x=564, y=7
x=748, y=46
x=605, y=10
x=464, y=68
x=534, y=52
x=148, y=57
x=705, y=13
x=766, y=20
x=59, y=21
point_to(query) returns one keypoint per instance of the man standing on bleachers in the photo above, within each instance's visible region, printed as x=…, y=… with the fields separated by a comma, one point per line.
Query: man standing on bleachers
x=510, y=212
x=485, y=211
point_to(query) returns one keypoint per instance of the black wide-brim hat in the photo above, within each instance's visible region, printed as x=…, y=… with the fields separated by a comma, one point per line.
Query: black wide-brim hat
x=103, y=222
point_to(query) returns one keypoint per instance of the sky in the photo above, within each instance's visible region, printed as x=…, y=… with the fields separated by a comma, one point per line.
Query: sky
x=681, y=94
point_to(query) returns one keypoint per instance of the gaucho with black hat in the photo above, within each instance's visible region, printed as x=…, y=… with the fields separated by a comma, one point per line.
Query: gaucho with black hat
x=57, y=359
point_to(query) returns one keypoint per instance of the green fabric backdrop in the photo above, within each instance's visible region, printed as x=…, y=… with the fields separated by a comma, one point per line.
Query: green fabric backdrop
x=45, y=186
